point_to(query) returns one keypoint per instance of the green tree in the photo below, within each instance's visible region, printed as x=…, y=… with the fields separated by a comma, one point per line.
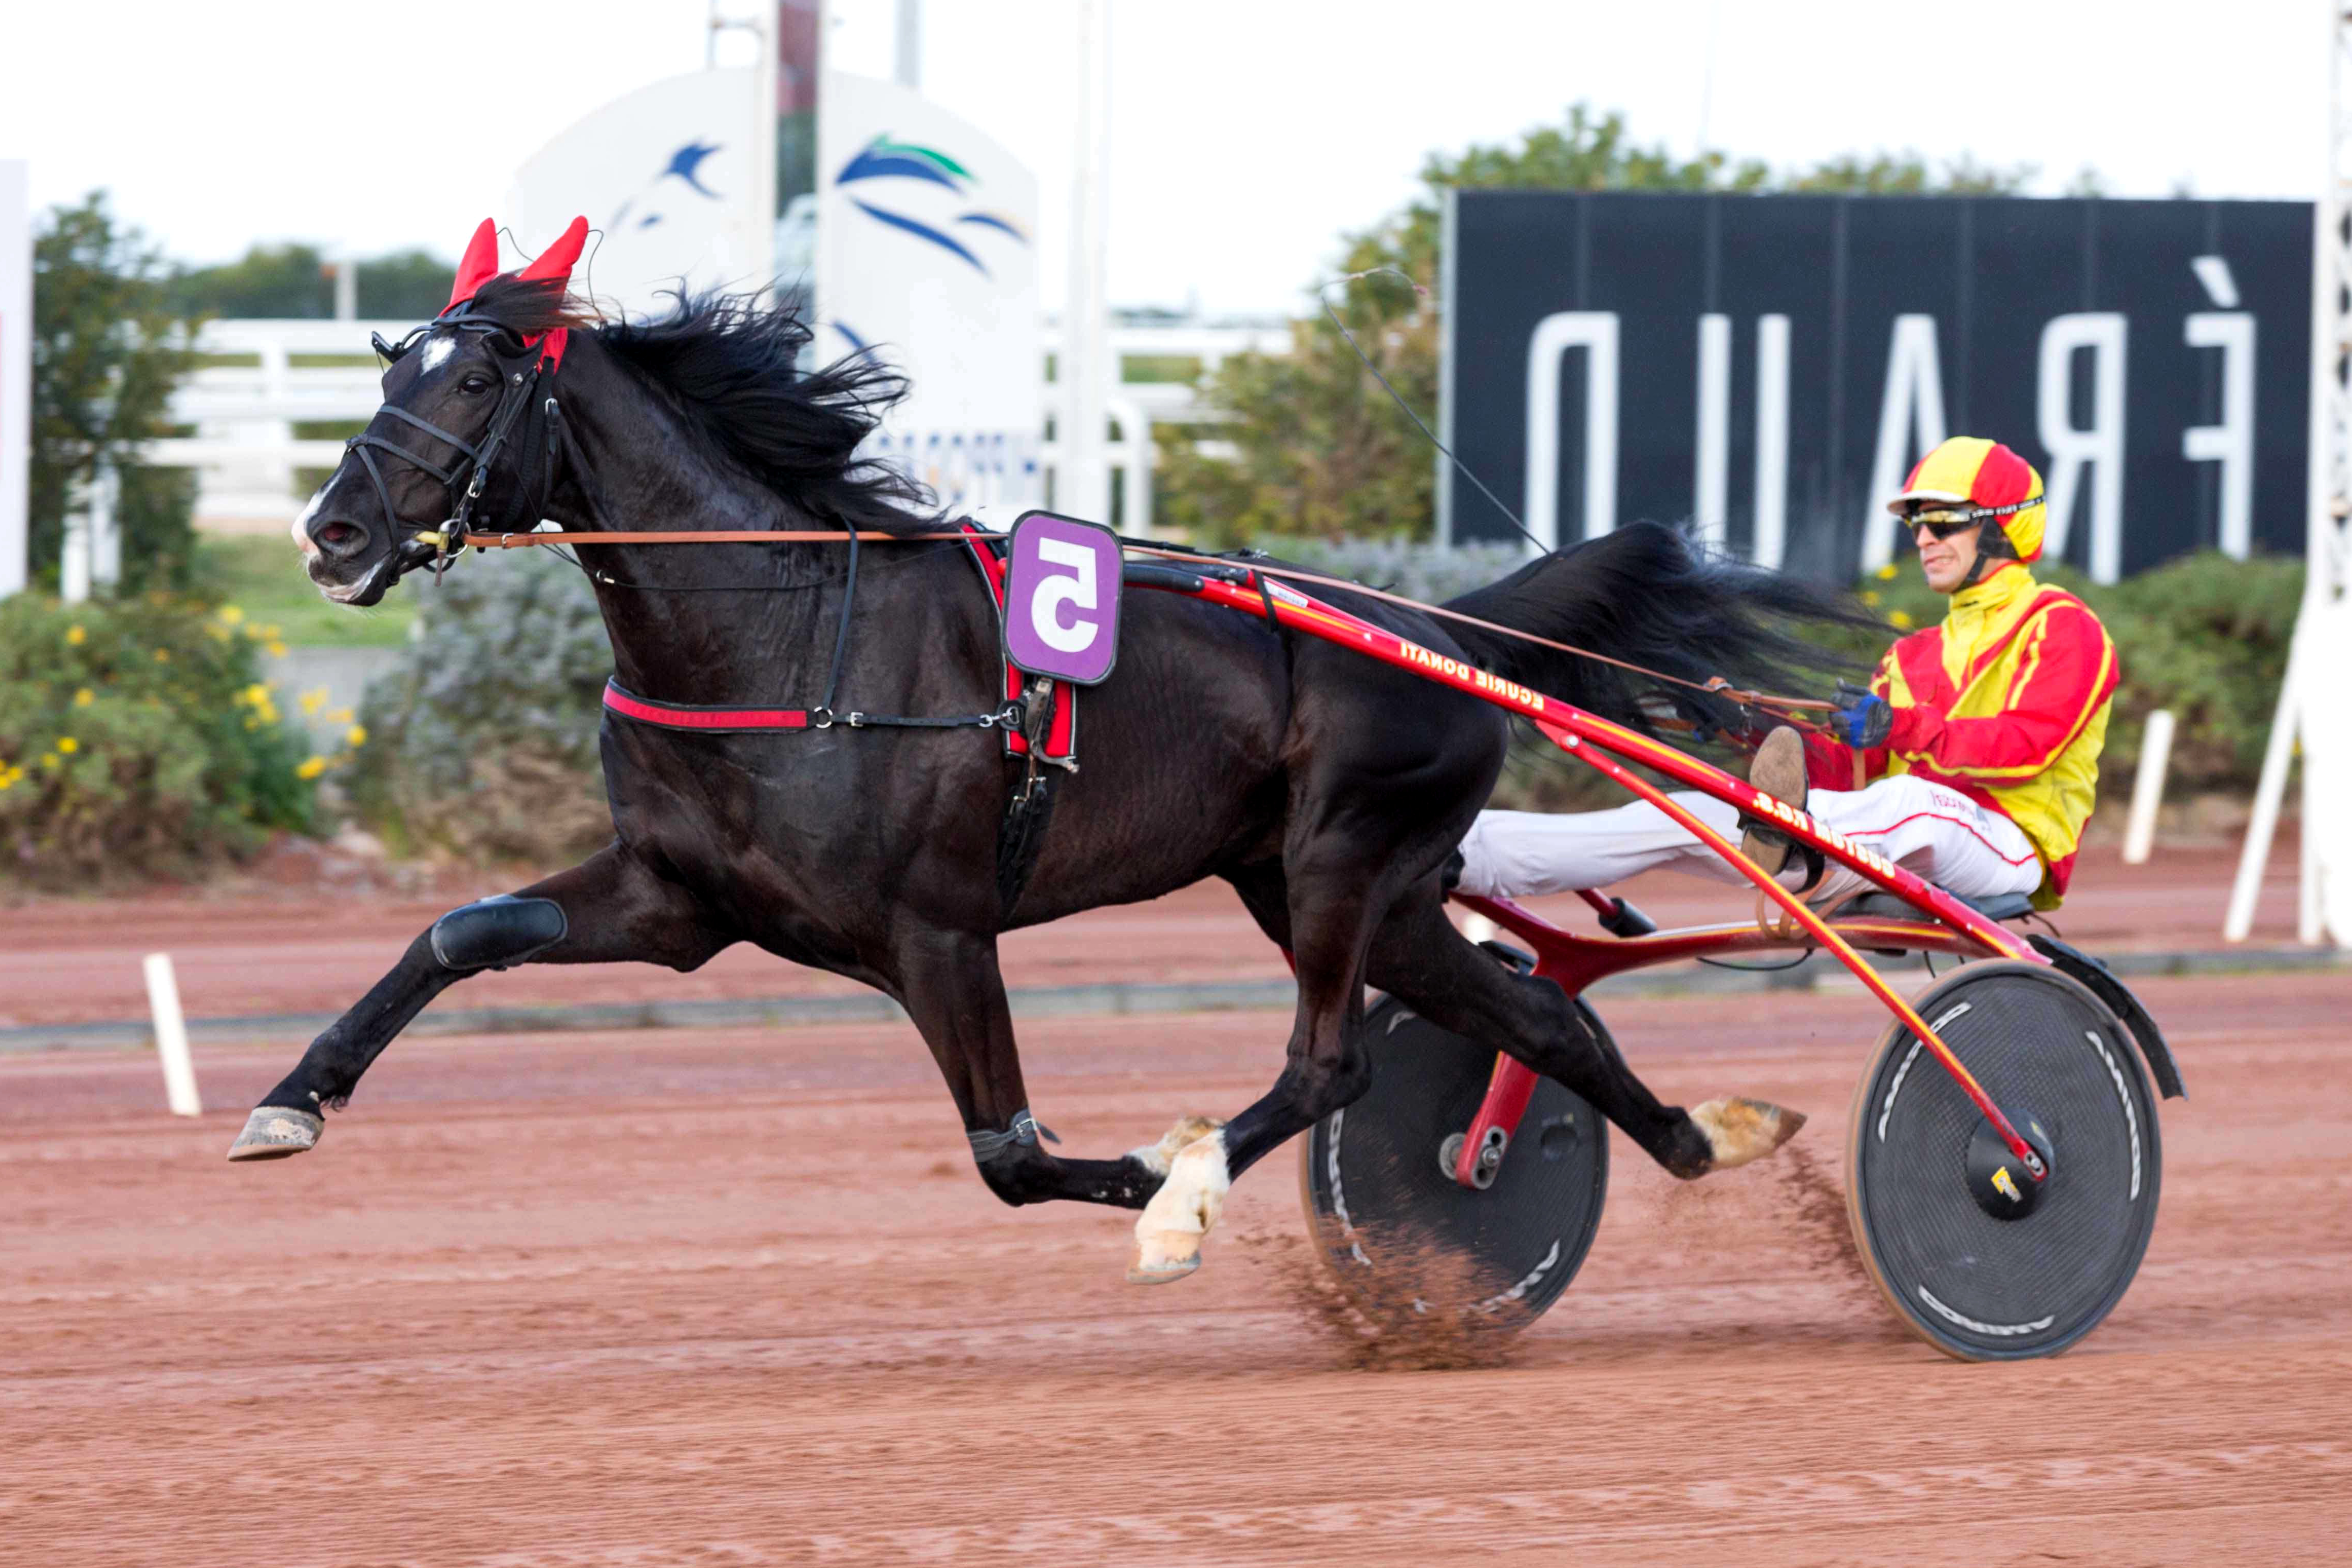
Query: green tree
x=296, y=280
x=108, y=349
x=1319, y=450
x=268, y=281
x=404, y=286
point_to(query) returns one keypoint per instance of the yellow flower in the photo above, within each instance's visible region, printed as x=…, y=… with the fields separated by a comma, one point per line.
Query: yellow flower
x=257, y=694
x=277, y=649
x=230, y=614
x=50, y=759
x=74, y=636
x=162, y=656
x=356, y=735
x=85, y=697
x=1869, y=596
x=314, y=699
x=339, y=715
x=1887, y=574
x=1898, y=619
x=310, y=767
x=68, y=744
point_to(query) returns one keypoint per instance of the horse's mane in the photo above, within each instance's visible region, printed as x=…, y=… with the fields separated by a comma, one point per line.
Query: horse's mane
x=731, y=366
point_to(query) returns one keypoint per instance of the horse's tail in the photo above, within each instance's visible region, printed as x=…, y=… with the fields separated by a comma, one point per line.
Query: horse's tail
x=1651, y=596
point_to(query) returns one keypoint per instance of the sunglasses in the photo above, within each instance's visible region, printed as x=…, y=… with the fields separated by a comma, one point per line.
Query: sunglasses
x=1943, y=525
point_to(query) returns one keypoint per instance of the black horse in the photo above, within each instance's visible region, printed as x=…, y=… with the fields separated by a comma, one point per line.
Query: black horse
x=1328, y=789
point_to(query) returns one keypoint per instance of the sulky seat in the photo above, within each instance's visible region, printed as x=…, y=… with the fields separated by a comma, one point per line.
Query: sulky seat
x=1886, y=906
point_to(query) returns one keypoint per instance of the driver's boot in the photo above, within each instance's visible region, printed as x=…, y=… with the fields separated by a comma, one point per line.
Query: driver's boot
x=1778, y=770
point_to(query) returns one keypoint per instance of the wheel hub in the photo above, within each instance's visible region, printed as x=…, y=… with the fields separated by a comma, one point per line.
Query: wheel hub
x=1489, y=1164
x=1997, y=1180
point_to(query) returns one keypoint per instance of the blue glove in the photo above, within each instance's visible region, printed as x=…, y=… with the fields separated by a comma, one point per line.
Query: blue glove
x=1863, y=719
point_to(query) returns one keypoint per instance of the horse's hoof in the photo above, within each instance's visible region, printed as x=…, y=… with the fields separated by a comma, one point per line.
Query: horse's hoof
x=1740, y=1129
x=1164, y=1256
x=272, y=1132
x=1157, y=1158
x=1168, y=1232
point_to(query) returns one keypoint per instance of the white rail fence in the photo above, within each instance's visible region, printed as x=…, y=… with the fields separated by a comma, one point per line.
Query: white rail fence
x=247, y=451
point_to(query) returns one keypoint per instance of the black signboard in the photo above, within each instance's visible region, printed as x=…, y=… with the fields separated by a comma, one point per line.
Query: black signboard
x=1772, y=367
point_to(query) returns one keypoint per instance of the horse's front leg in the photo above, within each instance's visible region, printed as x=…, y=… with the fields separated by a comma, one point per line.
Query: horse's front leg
x=950, y=985
x=609, y=908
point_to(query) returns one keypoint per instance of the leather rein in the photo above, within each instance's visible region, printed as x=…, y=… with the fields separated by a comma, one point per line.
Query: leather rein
x=454, y=537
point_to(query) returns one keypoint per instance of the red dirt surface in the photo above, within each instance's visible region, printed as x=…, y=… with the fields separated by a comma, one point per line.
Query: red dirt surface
x=309, y=951
x=656, y=1298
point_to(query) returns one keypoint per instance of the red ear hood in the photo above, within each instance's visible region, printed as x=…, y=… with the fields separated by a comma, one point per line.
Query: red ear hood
x=556, y=261
x=481, y=265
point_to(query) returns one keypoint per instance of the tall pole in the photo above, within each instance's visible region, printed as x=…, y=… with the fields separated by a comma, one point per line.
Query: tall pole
x=1084, y=371
x=2311, y=699
x=909, y=55
x=766, y=96
x=15, y=371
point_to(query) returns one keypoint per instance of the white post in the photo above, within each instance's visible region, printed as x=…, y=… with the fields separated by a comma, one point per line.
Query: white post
x=172, y=1036
x=2255, y=858
x=106, y=526
x=15, y=371
x=74, y=553
x=347, y=289
x=1084, y=371
x=2147, y=787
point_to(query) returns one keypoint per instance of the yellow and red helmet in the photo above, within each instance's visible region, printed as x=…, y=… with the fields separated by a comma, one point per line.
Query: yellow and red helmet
x=1970, y=479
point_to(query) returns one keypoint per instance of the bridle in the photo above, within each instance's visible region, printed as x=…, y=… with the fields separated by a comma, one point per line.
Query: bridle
x=464, y=479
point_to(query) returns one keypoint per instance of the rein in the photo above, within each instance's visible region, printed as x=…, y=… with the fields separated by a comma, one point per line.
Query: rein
x=1788, y=708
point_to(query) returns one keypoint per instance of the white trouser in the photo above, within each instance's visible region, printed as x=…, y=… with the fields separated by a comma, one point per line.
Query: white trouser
x=1935, y=833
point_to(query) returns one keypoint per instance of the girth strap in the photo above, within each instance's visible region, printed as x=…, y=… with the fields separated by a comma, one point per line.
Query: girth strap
x=729, y=718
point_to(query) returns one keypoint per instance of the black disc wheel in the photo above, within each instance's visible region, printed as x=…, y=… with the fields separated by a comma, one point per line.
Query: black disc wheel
x=1401, y=1235
x=1978, y=1258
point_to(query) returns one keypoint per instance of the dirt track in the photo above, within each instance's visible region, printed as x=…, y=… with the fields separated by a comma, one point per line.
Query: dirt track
x=311, y=949
x=678, y=1297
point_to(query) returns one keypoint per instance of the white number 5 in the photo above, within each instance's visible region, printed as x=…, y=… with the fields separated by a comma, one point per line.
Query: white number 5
x=1079, y=591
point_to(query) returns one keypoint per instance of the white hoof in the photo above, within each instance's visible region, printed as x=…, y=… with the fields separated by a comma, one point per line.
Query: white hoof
x=1168, y=1232
x=272, y=1132
x=1740, y=1129
x=1188, y=1130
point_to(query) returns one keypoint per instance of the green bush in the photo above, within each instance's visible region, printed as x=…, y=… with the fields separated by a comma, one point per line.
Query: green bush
x=137, y=739
x=482, y=744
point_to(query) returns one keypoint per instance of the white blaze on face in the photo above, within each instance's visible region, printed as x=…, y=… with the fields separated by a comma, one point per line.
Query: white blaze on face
x=437, y=353
x=302, y=524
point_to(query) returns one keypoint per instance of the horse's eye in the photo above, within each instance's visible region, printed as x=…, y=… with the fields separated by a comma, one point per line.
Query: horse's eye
x=476, y=385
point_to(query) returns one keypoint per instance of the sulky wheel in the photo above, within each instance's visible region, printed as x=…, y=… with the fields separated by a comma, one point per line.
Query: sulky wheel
x=1980, y=1260
x=1401, y=1235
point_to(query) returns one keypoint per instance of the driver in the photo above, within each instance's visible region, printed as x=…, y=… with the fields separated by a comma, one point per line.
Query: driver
x=1970, y=760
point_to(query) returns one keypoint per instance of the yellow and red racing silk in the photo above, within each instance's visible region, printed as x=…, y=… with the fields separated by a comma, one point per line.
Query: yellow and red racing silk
x=2007, y=702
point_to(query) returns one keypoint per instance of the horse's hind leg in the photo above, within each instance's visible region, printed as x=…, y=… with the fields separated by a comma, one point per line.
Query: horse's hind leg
x=1418, y=958
x=608, y=908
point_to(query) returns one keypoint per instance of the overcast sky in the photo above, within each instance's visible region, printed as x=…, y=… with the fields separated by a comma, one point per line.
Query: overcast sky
x=1246, y=136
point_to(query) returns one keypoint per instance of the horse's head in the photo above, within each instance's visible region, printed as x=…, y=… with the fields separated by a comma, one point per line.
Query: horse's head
x=466, y=437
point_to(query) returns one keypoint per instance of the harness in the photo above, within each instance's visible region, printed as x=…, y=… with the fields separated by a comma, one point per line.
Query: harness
x=1038, y=720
